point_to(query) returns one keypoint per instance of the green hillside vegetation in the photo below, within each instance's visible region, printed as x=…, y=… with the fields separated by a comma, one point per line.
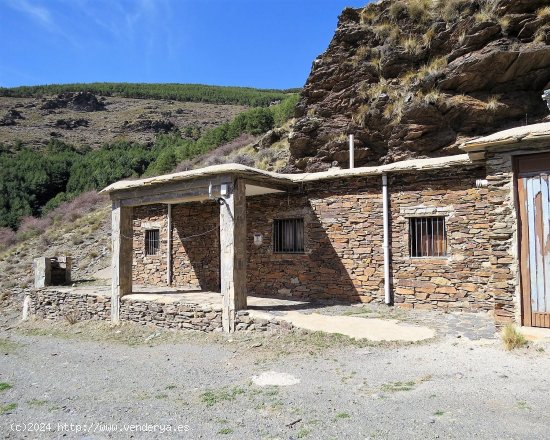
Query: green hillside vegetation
x=177, y=92
x=33, y=182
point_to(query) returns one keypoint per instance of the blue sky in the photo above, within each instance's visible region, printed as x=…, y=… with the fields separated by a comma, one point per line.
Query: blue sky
x=257, y=43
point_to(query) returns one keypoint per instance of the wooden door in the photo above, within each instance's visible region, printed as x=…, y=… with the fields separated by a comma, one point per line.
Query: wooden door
x=533, y=186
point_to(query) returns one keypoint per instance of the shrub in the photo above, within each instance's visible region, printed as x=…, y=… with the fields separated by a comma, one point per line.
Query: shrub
x=31, y=226
x=512, y=338
x=77, y=207
x=7, y=238
x=71, y=317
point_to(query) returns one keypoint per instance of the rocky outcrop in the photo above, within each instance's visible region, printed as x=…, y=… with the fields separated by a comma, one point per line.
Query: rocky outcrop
x=78, y=101
x=416, y=78
x=71, y=124
x=155, y=126
x=10, y=118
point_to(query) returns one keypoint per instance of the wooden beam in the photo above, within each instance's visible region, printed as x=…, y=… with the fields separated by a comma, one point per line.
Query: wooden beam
x=169, y=189
x=122, y=242
x=233, y=253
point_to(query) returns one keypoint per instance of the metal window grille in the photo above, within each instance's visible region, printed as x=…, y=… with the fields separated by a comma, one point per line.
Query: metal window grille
x=288, y=236
x=152, y=242
x=427, y=237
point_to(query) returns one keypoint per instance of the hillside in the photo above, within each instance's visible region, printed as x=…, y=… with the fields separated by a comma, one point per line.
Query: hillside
x=54, y=147
x=415, y=78
x=34, y=121
x=98, y=113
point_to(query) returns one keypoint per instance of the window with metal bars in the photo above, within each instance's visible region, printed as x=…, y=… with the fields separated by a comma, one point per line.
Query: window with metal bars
x=152, y=241
x=288, y=236
x=427, y=237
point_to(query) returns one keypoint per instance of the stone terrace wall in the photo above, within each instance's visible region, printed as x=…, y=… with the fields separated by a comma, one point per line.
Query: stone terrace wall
x=50, y=304
x=343, y=240
x=57, y=305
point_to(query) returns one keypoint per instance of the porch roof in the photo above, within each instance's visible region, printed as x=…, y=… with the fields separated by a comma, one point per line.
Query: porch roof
x=289, y=180
x=527, y=133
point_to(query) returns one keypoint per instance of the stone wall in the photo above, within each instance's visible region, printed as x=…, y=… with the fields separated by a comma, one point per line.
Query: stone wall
x=68, y=305
x=195, y=250
x=343, y=257
x=150, y=269
x=59, y=305
x=458, y=281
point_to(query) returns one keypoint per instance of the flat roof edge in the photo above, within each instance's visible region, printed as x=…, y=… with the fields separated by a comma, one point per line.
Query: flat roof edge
x=293, y=179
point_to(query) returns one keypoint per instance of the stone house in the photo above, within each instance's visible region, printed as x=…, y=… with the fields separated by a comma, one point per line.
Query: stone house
x=464, y=232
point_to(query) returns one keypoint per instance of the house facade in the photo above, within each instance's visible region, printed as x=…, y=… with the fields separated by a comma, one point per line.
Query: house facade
x=465, y=232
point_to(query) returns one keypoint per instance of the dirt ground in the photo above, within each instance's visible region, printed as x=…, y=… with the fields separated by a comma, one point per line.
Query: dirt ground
x=93, y=381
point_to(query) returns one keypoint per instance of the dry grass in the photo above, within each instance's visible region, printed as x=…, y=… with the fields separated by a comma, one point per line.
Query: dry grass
x=492, y=103
x=367, y=15
x=387, y=31
x=449, y=10
x=428, y=37
x=487, y=11
x=419, y=10
x=543, y=12
x=434, y=67
x=512, y=338
x=394, y=110
x=376, y=61
x=540, y=35
x=71, y=317
x=432, y=96
x=359, y=115
x=412, y=45
x=397, y=9
x=504, y=22
x=362, y=53
x=373, y=91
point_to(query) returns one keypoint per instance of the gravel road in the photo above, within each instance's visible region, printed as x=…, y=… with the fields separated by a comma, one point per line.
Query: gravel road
x=97, y=378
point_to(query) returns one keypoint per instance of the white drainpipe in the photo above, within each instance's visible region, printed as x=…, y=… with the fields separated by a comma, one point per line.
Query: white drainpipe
x=169, y=247
x=386, y=245
x=351, y=152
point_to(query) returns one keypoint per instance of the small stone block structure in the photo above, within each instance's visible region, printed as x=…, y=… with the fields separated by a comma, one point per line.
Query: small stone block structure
x=52, y=271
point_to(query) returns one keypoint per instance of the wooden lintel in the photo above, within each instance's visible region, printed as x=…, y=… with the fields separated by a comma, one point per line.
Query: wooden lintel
x=168, y=188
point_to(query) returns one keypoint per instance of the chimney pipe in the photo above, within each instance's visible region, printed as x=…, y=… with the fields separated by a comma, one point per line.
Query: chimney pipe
x=351, y=152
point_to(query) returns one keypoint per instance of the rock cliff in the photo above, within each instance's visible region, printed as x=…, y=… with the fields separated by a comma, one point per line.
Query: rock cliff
x=415, y=78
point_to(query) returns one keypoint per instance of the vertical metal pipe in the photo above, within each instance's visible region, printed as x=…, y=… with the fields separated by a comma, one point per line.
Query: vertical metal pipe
x=351, y=152
x=169, y=246
x=386, y=245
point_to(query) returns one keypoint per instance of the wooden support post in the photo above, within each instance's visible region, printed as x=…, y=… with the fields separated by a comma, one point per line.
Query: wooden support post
x=122, y=243
x=233, y=252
